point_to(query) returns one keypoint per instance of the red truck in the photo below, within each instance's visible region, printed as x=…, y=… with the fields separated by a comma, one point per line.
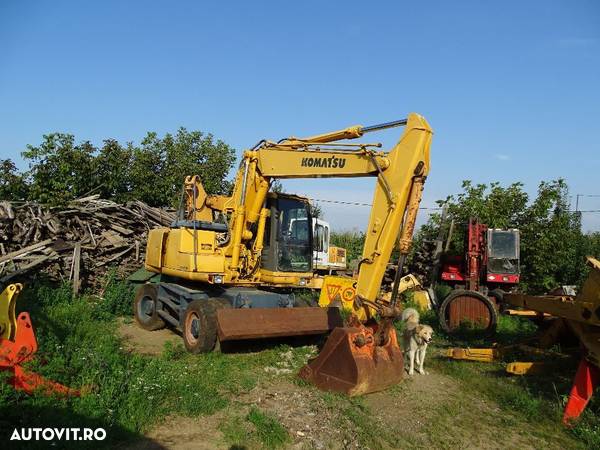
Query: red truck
x=479, y=278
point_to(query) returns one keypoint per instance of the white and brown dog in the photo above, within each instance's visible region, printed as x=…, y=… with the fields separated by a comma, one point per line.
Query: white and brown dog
x=416, y=337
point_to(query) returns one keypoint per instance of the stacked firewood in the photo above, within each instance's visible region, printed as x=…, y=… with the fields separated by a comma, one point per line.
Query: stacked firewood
x=422, y=261
x=77, y=242
x=420, y=264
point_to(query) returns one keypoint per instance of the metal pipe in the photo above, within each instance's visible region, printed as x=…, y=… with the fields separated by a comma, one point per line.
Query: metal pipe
x=244, y=182
x=381, y=176
x=383, y=126
x=194, y=196
x=259, y=199
x=239, y=217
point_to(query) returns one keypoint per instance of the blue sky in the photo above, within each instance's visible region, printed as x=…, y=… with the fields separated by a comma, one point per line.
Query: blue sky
x=512, y=88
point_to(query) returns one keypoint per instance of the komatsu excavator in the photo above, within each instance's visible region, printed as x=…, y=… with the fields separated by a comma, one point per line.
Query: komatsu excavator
x=229, y=264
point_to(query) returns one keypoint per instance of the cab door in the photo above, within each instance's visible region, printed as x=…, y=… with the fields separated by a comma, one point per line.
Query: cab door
x=321, y=243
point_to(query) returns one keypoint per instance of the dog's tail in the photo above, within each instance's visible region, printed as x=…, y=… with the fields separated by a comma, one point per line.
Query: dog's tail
x=410, y=314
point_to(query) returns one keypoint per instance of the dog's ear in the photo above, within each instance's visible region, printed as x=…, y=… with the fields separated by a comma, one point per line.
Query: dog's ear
x=419, y=328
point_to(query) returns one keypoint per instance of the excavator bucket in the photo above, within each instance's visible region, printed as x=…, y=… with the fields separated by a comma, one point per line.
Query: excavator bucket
x=352, y=363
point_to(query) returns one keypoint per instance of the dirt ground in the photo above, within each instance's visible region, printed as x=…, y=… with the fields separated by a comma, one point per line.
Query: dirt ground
x=144, y=342
x=424, y=411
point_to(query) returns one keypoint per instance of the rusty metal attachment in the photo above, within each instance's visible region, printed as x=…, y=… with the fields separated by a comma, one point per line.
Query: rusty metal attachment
x=353, y=363
x=258, y=323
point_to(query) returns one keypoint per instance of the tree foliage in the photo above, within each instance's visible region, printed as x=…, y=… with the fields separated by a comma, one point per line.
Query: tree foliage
x=553, y=248
x=61, y=169
x=12, y=183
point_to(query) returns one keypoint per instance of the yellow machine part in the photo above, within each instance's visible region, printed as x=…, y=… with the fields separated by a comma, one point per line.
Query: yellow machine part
x=8, y=322
x=525, y=313
x=525, y=368
x=421, y=298
x=340, y=290
x=474, y=354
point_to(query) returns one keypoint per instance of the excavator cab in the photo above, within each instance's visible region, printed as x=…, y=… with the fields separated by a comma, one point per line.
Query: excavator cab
x=288, y=235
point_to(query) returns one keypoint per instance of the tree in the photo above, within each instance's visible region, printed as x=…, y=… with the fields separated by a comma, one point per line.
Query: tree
x=552, y=244
x=551, y=240
x=316, y=211
x=61, y=170
x=496, y=206
x=113, y=174
x=277, y=187
x=160, y=165
x=12, y=184
x=352, y=241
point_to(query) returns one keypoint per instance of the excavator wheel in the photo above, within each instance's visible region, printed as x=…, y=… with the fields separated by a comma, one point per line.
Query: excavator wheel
x=144, y=308
x=200, y=325
x=464, y=305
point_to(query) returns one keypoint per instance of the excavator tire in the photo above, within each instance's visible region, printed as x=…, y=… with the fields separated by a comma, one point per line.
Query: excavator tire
x=200, y=325
x=471, y=305
x=144, y=308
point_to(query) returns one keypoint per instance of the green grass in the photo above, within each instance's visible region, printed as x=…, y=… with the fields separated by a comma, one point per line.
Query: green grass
x=130, y=393
x=538, y=400
x=79, y=346
x=356, y=419
x=256, y=429
x=236, y=432
x=269, y=431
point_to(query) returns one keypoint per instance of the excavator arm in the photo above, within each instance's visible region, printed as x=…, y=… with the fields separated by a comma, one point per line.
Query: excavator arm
x=400, y=176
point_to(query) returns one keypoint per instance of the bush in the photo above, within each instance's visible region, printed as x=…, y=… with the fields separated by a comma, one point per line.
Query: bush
x=117, y=295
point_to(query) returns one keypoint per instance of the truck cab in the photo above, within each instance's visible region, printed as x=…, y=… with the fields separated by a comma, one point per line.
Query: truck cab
x=326, y=257
x=502, y=265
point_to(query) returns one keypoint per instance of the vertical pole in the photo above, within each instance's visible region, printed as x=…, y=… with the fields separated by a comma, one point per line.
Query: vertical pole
x=195, y=240
x=439, y=246
x=76, y=268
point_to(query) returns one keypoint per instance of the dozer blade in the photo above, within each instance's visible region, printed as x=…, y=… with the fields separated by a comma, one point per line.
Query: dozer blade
x=258, y=323
x=350, y=362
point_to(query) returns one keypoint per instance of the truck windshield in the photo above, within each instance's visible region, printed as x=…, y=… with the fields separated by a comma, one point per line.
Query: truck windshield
x=295, y=252
x=503, y=244
x=503, y=251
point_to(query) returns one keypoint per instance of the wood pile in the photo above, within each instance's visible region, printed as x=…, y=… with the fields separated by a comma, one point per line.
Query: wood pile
x=77, y=242
x=420, y=264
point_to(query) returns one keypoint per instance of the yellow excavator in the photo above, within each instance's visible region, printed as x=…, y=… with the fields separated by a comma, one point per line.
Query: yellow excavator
x=229, y=266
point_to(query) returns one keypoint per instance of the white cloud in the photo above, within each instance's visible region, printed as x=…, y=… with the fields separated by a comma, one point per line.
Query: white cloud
x=502, y=157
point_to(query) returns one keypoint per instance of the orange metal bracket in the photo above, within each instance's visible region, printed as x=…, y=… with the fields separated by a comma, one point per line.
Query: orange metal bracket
x=14, y=353
x=586, y=380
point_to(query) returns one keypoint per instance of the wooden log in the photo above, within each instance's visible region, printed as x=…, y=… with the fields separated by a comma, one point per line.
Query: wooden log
x=117, y=256
x=24, y=250
x=76, y=268
x=25, y=268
